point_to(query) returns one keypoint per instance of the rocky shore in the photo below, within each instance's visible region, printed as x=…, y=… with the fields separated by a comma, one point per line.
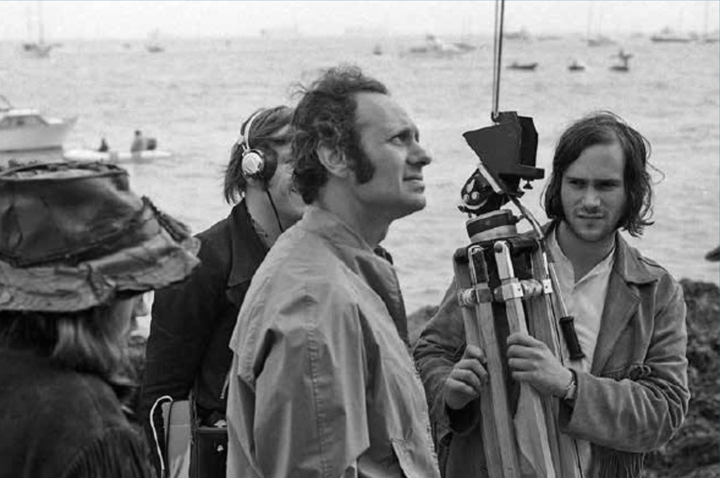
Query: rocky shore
x=694, y=452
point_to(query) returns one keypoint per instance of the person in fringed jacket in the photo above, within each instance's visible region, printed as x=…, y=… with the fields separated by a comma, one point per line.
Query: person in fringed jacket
x=78, y=249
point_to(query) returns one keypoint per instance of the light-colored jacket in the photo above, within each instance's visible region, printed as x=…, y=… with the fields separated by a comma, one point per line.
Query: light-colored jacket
x=321, y=383
x=632, y=401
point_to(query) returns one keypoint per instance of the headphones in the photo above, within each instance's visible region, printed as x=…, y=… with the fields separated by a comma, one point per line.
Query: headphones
x=254, y=163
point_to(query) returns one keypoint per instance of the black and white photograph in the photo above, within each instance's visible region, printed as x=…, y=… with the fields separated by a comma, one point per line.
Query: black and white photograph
x=438, y=239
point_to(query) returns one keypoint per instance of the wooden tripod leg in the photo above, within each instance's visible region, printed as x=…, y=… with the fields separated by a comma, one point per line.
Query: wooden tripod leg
x=542, y=326
x=475, y=303
x=530, y=423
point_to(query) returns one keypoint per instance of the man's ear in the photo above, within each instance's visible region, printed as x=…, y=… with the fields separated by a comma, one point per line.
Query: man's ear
x=334, y=161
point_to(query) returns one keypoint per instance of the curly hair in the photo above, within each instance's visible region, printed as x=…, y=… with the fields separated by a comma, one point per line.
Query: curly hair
x=265, y=124
x=604, y=127
x=325, y=116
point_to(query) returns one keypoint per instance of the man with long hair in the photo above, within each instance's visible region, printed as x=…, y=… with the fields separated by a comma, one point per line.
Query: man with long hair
x=77, y=251
x=191, y=324
x=630, y=392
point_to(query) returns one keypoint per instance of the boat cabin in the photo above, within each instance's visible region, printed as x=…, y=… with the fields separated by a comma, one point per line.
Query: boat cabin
x=21, y=118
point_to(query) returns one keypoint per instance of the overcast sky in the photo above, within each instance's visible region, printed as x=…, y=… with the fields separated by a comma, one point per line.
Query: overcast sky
x=91, y=20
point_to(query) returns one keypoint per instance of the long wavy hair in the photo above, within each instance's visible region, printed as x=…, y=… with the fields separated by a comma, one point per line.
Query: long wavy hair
x=325, y=116
x=267, y=122
x=604, y=127
x=91, y=341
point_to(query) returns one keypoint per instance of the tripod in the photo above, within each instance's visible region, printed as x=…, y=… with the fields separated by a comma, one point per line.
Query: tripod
x=506, y=285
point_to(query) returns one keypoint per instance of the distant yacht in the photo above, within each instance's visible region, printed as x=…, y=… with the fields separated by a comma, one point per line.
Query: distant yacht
x=597, y=38
x=667, y=35
x=437, y=48
x=521, y=35
x=38, y=49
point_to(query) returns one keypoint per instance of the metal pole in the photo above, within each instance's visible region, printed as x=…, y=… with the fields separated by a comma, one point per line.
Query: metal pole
x=497, y=60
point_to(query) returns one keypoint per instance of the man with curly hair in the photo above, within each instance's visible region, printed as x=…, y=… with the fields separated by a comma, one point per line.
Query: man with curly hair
x=322, y=382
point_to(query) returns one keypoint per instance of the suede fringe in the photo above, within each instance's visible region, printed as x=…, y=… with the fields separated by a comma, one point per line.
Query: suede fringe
x=119, y=453
x=617, y=464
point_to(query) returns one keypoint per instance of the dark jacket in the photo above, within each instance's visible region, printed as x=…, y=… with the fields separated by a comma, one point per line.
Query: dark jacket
x=58, y=423
x=631, y=402
x=192, y=321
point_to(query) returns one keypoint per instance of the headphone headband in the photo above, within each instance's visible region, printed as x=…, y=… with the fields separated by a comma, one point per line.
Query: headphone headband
x=254, y=164
x=248, y=128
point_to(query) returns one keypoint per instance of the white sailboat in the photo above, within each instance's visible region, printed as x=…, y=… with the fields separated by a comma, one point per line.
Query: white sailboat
x=38, y=49
x=153, y=44
x=597, y=38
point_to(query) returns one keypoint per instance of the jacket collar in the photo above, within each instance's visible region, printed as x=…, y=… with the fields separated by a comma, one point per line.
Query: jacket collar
x=622, y=299
x=373, y=266
x=326, y=224
x=627, y=259
x=248, y=251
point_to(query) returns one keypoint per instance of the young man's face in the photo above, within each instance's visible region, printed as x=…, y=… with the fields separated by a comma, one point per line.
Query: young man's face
x=389, y=139
x=593, y=192
x=287, y=200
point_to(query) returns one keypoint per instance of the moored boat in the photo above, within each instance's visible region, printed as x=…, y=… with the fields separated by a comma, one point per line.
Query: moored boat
x=25, y=129
x=523, y=66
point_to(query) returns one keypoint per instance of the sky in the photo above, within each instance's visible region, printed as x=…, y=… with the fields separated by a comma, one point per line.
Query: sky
x=95, y=20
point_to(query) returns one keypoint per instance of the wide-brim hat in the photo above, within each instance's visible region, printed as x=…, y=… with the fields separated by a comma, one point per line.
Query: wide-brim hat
x=74, y=236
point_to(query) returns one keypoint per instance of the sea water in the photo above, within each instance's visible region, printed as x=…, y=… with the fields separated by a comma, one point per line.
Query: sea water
x=193, y=97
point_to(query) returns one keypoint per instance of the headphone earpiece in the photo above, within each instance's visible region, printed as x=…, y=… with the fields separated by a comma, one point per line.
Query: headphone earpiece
x=254, y=162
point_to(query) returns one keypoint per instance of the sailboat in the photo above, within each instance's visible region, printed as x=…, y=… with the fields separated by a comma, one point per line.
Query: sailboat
x=153, y=44
x=708, y=38
x=597, y=39
x=38, y=49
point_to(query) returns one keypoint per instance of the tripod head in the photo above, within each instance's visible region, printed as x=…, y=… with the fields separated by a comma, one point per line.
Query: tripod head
x=507, y=151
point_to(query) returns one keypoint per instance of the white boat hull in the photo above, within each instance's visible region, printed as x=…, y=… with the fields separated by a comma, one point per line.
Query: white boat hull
x=116, y=156
x=32, y=137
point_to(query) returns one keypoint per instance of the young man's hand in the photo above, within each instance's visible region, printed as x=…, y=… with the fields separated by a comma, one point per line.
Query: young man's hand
x=466, y=379
x=531, y=361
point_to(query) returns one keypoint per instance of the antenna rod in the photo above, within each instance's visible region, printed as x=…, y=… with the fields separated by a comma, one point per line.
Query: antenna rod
x=497, y=60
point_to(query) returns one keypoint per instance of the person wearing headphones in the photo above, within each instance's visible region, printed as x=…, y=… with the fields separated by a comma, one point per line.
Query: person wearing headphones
x=187, y=349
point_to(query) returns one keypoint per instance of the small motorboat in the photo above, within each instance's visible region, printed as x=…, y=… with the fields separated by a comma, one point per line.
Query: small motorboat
x=576, y=66
x=145, y=156
x=624, y=64
x=523, y=66
x=25, y=129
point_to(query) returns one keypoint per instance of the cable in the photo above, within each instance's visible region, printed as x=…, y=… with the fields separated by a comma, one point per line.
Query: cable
x=159, y=401
x=272, y=203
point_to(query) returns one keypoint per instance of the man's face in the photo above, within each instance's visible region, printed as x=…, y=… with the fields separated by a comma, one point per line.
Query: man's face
x=389, y=139
x=593, y=192
x=288, y=201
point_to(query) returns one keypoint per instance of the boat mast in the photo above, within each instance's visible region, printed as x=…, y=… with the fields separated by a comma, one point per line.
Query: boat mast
x=41, y=33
